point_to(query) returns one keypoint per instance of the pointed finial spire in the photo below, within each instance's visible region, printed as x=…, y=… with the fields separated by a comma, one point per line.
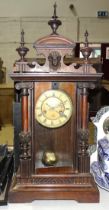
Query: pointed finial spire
x=22, y=37
x=22, y=50
x=54, y=22
x=55, y=16
x=86, y=34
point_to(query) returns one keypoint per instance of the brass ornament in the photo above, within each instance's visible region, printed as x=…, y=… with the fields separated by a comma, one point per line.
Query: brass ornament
x=49, y=158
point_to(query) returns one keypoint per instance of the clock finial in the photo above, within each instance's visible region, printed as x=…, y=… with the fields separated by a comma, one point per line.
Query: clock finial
x=86, y=50
x=54, y=22
x=22, y=50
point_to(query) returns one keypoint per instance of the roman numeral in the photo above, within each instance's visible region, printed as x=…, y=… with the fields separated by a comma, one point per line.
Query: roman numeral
x=39, y=115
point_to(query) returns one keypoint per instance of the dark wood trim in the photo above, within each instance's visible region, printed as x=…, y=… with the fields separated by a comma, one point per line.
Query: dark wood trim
x=66, y=77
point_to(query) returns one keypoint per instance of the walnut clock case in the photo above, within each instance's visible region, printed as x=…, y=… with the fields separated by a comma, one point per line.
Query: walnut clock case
x=51, y=123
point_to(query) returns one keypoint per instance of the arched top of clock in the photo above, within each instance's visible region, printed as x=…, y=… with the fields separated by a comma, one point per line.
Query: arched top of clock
x=55, y=48
x=54, y=40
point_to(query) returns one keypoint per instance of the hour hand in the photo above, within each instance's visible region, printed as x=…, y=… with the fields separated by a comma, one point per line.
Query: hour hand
x=48, y=105
x=62, y=114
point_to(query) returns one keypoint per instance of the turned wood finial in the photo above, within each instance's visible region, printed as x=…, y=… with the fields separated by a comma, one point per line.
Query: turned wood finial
x=86, y=50
x=54, y=22
x=22, y=50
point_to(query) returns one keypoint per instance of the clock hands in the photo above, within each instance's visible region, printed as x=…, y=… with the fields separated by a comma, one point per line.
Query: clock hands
x=62, y=114
x=54, y=106
x=57, y=109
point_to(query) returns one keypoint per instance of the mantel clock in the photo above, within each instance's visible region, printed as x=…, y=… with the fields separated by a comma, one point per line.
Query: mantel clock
x=51, y=122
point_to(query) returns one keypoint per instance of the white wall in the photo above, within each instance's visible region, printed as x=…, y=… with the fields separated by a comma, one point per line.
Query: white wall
x=84, y=8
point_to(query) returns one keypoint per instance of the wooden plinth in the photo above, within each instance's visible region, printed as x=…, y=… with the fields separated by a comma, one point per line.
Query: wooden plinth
x=84, y=193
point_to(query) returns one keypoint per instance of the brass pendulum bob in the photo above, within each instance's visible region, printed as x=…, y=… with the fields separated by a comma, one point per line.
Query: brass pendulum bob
x=49, y=158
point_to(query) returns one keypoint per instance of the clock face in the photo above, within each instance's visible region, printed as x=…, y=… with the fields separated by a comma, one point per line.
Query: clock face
x=53, y=108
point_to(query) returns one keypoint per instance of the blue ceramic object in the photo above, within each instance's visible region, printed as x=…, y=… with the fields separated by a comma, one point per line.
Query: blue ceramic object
x=100, y=122
x=103, y=154
x=100, y=168
x=100, y=165
x=101, y=178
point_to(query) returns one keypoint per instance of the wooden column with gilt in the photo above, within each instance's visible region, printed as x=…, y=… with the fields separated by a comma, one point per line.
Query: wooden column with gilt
x=83, y=132
x=25, y=134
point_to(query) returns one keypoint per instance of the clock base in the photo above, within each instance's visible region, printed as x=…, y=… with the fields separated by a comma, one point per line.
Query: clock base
x=86, y=192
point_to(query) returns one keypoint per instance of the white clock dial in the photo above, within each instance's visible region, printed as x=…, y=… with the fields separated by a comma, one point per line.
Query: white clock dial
x=53, y=108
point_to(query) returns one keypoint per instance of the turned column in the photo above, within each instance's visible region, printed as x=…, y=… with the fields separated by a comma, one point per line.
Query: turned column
x=24, y=95
x=84, y=115
x=83, y=132
x=25, y=134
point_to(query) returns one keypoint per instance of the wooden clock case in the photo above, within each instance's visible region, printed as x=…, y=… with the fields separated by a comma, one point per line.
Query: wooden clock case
x=69, y=177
